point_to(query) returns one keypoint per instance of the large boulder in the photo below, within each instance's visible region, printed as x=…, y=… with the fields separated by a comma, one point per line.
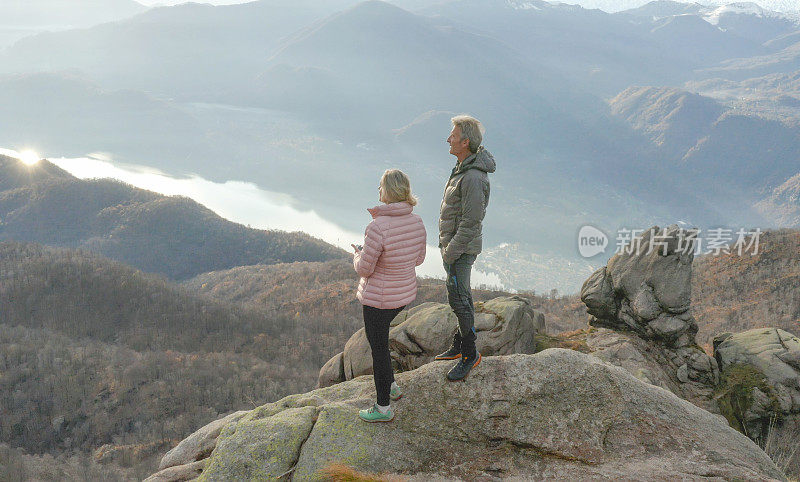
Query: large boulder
x=179, y=473
x=642, y=298
x=760, y=377
x=647, y=287
x=186, y=460
x=559, y=414
x=504, y=325
x=199, y=443
x=683, y=371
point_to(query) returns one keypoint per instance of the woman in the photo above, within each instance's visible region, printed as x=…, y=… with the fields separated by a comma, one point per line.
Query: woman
x=394, y=245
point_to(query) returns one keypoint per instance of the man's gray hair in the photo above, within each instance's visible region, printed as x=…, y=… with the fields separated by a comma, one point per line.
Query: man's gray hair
x=471, y=128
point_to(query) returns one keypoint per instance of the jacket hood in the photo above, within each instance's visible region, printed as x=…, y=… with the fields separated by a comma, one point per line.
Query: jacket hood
x=391, y=209
x=481, y=160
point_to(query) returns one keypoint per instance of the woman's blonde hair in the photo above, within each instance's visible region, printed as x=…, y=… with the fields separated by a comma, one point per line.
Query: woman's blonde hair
x=395, y=187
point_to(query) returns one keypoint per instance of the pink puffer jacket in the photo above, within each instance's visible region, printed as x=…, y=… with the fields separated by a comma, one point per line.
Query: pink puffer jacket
x=394, y=244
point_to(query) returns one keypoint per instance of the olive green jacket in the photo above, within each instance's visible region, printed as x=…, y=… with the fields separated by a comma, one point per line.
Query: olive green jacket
x=464, y=206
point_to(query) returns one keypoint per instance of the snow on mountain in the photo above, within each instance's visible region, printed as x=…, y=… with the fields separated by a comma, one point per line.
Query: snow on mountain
x=742, y=8
x=778, y=6
x=518, y=5
x=781, y=6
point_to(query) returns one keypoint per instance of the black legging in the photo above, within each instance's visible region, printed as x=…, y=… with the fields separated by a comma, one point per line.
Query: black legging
x=376, y=325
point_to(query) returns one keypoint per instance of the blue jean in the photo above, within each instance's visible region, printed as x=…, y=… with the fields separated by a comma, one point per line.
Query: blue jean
x=459, y=296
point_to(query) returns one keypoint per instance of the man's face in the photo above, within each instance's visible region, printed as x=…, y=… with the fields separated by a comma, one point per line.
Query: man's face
x=457, y=145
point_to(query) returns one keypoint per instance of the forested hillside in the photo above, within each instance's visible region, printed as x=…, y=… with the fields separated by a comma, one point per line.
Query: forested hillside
x=327, y=291
x=735, y=293
x=171, y=235
x=95, y=353
x=100, y=361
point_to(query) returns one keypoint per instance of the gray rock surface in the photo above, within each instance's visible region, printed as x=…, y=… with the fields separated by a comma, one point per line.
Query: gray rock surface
x=332, y=371
x=199, y=444
x=557, y=414
x=771, y=355
x=504, y=325
x=179, y=473
x=647, y=287
x=642, y=297
x=680, y=371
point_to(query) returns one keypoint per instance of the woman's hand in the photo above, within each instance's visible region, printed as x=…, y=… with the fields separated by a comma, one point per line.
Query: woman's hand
x=356, y=249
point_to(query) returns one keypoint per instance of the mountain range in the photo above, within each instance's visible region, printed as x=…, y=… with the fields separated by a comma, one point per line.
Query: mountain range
x=732, y=157
x=128, y=319
x=114, y=365
x=296, y=95
x=170, y=235
x=784, y=6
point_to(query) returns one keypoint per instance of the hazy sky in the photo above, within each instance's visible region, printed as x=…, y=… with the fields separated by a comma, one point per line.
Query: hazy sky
x=175, y=2
x=607, y=5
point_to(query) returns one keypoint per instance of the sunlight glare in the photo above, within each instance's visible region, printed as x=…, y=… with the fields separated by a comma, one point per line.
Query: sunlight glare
x=29, y=157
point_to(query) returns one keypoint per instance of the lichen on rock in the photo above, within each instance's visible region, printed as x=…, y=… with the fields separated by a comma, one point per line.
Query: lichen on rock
x=556, y=414
x=760, y=377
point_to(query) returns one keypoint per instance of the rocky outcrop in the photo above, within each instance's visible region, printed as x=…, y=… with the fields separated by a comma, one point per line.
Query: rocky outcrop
x=760, y=377
x=676, y=370
x=642, y=296
x=504, y=325
x=179, y=473
x=559, y=414
x=648, y=289
x=187, y=459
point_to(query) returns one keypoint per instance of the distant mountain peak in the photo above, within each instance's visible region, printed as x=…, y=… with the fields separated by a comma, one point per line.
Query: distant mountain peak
x=683, y=24
x=368, y=12
x=658, y=9
x=15, y=174
x=740, y=8
x=528, y=4
x=666, y=8
x=661, y=8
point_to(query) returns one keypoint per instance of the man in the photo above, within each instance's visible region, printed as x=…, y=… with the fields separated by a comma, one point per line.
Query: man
x=463, y=207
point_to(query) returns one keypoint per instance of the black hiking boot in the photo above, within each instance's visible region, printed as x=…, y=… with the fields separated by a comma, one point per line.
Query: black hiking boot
x=462, y=368
x=453, y=352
